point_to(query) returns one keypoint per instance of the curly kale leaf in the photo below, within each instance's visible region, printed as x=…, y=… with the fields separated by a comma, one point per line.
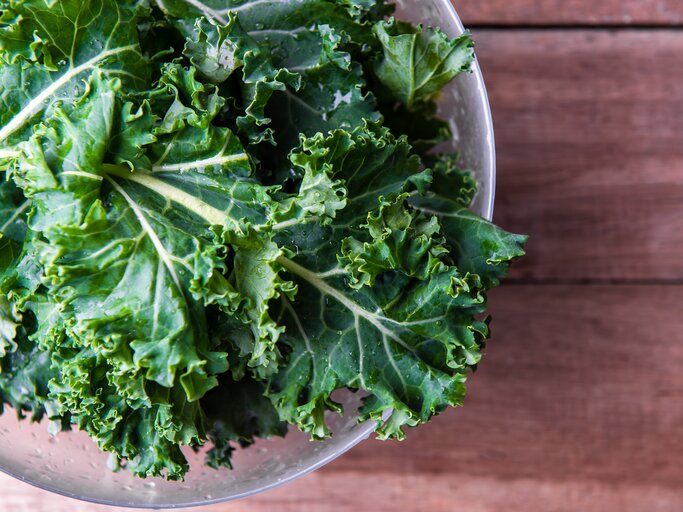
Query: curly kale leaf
x=48, y=51
x=379, y=306
x=476, y=245
x=130, y=252
x=416, y=63
x=297, y=76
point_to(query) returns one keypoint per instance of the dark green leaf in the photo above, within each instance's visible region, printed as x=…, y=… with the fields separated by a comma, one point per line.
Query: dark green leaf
x=367, y=323
x=417, y=63
x=477, y=246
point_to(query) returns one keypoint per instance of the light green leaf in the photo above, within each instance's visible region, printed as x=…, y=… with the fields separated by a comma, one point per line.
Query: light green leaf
x=257, y=278
x=320, y=196
x=370, y=163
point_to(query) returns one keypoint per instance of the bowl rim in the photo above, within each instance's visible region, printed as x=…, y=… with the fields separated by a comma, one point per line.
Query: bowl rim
x=365, y=430
x=488, y=205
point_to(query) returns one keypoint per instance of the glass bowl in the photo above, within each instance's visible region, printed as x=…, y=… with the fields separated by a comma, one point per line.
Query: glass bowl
x=70, y=464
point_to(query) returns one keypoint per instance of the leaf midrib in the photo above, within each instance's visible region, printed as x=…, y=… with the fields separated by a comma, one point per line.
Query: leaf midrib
x=319, y=283
x=38, y=102
x=358, y=312
x=211, y=214
x=215, y=216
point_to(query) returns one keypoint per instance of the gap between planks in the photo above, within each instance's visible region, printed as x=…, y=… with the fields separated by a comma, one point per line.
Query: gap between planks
x=591, y=282
x=588, y=128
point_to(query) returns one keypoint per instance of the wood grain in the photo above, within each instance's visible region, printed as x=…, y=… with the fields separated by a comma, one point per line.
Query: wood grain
x=352, y=491
x=588, y=128
x=577, y=406
x=571, y=12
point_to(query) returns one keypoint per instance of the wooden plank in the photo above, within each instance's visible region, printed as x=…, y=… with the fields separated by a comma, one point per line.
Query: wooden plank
x=327, y=491
x=571, y=12
x=577, y=406
x=588, y=129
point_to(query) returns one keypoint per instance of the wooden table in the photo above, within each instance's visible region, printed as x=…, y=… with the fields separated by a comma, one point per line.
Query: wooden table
x=578, y=405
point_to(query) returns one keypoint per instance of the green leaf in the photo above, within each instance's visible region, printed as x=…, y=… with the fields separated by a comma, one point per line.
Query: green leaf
x=295, y=31
x=219, y=50
x=142, y=423
x=406, y=341
x=398, y=240
x=417, y=63
x=257, y=278
x=148, y=435
x=68, y=51
x=26, y=372
x=13, y=209
x=370, y=163
x=476, y=245
x=320, y=196
x=250, y=415
x=10, y=320
x=27, y=369
x=382, y=311
x=214, y=50
x=121, y=261
x=127, y=276
x=278, y=24
x=332, y=95
x=422, y=127
x=450, y=181
x=67, y=200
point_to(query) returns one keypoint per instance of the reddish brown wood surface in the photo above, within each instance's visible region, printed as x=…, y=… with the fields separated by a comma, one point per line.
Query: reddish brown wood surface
x=577, y=407
x=588, y=128
x=571, y=12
